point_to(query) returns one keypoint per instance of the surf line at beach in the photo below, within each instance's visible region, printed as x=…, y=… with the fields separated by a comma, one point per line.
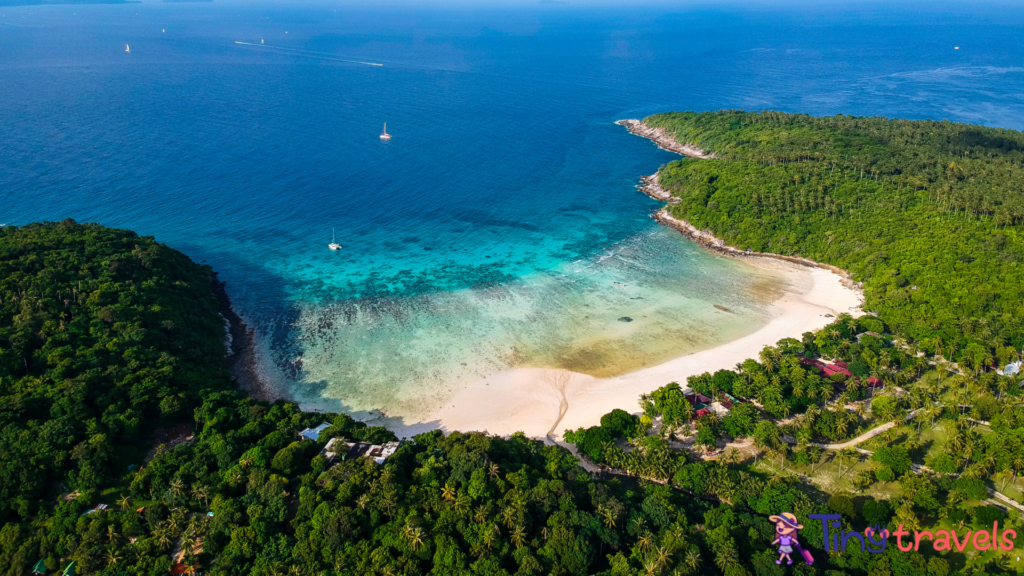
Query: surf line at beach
x=544, y=402
x=532, y=400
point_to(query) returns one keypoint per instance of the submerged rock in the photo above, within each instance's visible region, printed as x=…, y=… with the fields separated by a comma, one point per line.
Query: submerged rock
x=625, y=319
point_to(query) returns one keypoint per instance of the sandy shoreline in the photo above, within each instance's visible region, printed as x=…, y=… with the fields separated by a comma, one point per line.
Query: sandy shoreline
x=544, y=402
x=535, y=400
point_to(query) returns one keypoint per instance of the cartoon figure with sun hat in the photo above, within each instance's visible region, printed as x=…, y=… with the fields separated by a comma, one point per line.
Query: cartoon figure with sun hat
x=786, y=526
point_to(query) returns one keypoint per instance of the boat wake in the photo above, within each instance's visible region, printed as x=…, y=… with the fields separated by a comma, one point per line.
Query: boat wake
x=310, y=53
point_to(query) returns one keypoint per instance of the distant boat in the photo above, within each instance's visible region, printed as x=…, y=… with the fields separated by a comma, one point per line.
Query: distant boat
x=384, y=135
x=333, y=245
x=619, y=284
x=127, y=48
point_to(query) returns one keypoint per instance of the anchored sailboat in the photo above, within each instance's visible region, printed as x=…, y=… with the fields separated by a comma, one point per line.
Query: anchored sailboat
x=333, y=245
x=384, y=135
x=127, y=48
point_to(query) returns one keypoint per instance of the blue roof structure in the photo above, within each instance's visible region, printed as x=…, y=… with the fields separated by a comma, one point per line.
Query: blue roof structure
x=314, y=433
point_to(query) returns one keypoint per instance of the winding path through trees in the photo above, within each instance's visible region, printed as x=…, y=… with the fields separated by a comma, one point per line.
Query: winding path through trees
x=854, y=441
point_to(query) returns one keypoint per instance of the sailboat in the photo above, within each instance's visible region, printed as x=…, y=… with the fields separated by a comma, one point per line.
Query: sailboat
x=384, y=135
x=127, y=48
x=333, y=245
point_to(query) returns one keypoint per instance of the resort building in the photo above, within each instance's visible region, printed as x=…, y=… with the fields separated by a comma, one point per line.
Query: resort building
x=721, y=408
x=1010, y=369
x=349, y=450
x=314, y=433
x=695, y=399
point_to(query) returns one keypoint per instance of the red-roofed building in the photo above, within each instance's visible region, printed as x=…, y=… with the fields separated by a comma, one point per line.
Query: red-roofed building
x=831, y=369
x=697, y=399
x=812, y=362
x=875, y=382
x=702, y=412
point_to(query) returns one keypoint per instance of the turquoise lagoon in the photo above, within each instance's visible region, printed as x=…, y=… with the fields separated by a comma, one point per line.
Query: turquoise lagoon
x=492, y=230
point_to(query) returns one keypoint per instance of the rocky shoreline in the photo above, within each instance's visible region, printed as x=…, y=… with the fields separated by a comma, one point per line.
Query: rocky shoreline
x=650, y=186
x=715, y=244
x=664, y=140
x=241, y=358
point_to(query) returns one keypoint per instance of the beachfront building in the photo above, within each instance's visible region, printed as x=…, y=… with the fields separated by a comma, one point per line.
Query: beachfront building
x=348, y=450
x=697, y=400
x=840, y=367
x=1011, y=369
x=873, y=334
x=314, y=433
x=721, y=408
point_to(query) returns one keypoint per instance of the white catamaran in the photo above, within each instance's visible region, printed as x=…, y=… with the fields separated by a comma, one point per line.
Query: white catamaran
x=384, y=135
x=333, y=245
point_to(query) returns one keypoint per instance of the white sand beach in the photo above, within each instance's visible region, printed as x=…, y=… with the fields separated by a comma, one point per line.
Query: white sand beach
x=539, y=401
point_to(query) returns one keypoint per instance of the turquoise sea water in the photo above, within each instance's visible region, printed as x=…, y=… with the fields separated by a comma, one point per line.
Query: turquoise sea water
x=491, y=230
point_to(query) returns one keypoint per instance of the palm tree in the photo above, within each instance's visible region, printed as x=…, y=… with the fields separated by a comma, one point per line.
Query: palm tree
x=663, y=557
x=841, y=427
x=124, y=503
x=509, y=516
x=113, y=556
x=1018, y=464
x=693, y=558
x=644, y=542
x=448, y=492
x=518, y=537
x=112, y=536
x=162, y=539
x=494, y=471
x=188, y=543
x=842, y=456
x=726, y=556
x=414, y=535
x=481, y=515
x=177, y=487
x=200, y=492
x=639, y=522
x=609, y=516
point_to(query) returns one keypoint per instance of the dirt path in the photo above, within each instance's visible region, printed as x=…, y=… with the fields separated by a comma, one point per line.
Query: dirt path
x=854, y=441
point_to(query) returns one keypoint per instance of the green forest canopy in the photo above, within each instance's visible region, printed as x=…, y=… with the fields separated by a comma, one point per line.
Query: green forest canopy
x=103, y=335
x=928, y=214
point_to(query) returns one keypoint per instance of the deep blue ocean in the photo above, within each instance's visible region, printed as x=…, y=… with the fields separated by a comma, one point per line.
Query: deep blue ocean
x=505, y=170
